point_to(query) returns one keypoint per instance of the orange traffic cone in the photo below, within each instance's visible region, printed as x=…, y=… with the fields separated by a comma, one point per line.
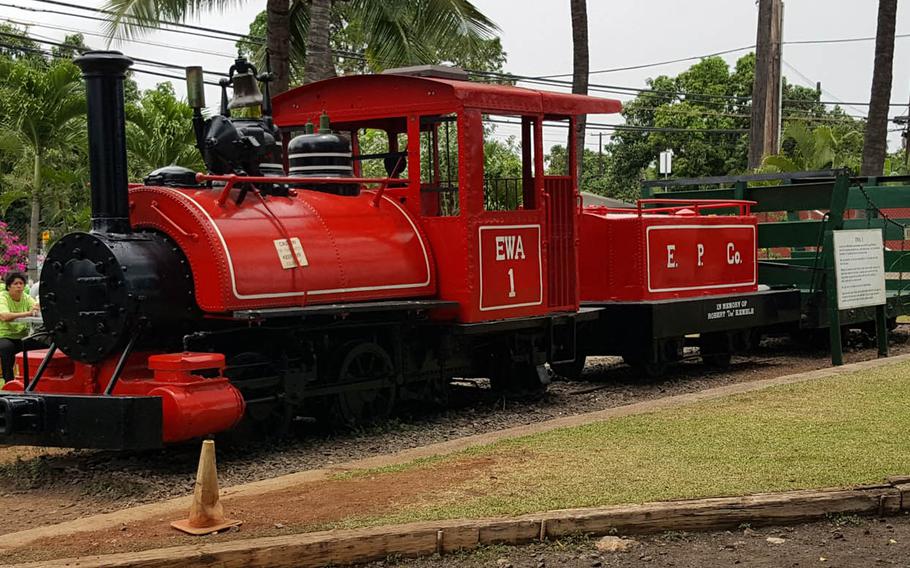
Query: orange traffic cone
x=206, y=513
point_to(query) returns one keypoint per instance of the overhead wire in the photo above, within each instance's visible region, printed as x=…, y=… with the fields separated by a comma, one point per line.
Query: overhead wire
x=593, y=126
x=141, y=42
x=610, y=89
x=152, y=62
x=539, y=80
x=237, y=36
x=49, y=53
x=810, y=81
x=136, y=24
x=716, y=53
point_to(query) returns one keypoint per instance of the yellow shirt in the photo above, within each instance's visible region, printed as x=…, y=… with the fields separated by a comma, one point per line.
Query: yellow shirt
x=14, y=329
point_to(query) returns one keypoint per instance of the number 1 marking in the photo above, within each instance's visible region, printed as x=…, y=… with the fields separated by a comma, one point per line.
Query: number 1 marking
x=511, y=282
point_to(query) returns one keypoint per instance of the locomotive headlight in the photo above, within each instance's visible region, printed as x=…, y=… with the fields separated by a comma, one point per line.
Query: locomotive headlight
x=195, y=88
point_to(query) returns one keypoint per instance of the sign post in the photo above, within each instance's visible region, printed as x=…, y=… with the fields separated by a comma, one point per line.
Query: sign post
x=859, y=277
x=665, y=164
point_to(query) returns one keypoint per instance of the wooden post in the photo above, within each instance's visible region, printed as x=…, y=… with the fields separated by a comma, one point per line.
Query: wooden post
x=835, y=222
x=881, y=329
x=837, y=348
x=881, y=312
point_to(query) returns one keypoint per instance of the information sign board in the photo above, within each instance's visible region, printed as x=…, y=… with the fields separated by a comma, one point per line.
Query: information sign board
x=859, y=266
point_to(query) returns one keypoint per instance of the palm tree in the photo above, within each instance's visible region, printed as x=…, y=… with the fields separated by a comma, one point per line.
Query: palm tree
x=37, y=107
x=579, y=73
x=876, y=143
x=396, y=31
x=809, y=149
x=159, y=132
x=319, y=63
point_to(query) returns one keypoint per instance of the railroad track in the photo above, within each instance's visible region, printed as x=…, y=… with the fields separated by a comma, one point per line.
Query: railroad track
x=61, y=484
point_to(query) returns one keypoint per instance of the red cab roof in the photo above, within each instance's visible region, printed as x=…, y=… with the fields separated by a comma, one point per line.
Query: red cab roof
x=363, y=96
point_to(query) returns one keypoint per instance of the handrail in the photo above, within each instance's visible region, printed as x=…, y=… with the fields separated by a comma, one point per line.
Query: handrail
x=676, y=205
x=231, y=179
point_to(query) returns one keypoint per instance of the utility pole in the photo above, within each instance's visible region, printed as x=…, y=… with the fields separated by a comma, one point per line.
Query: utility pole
x=906, y=134
x=763, y=131
x=776, y=83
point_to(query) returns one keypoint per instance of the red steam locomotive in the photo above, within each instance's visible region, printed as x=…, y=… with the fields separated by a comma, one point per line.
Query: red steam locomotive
x=291, y=279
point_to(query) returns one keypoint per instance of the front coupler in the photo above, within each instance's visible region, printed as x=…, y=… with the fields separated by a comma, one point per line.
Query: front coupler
x=80, y=421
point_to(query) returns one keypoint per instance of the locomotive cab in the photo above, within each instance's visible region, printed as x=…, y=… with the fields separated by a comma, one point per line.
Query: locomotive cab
x=504, y=246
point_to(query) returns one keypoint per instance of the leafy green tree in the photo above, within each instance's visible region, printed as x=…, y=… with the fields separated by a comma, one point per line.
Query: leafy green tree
x=702, y=114
x=819, y=148
x=595, y=175
x=71, y=47
x=349, y=37
x=394, y=32
x=16, y=45
x=160, y=132
x=40, y=107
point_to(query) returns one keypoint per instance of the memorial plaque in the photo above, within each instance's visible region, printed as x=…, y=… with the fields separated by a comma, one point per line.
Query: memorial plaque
x=859, y=264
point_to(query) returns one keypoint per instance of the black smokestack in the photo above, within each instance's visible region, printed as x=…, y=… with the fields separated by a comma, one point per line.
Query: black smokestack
x=104, y=72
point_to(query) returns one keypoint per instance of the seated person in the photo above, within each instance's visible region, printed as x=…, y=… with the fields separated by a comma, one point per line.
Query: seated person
x=15, y=304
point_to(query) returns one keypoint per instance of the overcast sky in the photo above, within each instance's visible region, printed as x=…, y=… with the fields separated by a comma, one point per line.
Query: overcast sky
x=537, y=36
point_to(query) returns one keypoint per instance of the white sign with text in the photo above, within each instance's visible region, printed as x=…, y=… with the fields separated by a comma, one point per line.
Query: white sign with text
x=859, y=265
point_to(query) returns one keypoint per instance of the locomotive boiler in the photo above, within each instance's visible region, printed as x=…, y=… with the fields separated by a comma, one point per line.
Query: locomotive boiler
x=285, y=282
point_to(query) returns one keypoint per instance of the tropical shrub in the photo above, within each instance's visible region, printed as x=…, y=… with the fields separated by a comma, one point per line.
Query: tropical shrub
x=13, y=254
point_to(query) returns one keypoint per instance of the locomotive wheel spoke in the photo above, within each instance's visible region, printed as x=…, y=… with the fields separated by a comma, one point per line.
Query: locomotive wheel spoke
x=365, y=362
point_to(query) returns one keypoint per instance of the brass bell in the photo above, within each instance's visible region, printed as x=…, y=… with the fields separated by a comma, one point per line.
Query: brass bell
x=246, y=91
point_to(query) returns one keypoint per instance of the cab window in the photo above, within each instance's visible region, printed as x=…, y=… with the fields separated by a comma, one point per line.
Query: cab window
x=439, y=165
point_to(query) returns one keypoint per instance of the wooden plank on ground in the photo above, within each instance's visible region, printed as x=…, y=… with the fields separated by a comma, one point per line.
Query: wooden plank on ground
x=417, y=539
x=722, y=513
x=509, y=531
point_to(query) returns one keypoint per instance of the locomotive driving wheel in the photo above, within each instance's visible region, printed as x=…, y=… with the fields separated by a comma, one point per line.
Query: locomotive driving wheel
x=367, y=375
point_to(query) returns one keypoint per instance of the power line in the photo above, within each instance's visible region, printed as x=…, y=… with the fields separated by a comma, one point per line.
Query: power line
x=602, y=126
x=656, y=64
x=837, y=40
x=143, y=42
x=716, y=53
x=797, y=71
x=131, y=19
x=48, y=53
x=41, y=39
x=546, y=80
x=84, y=49
x=611, y=89
x=137, y=24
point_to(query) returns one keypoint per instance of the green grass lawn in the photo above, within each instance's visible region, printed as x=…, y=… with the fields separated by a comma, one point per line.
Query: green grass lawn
x=839, y=431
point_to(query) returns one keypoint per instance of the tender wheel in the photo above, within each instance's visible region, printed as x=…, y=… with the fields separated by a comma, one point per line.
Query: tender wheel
x=520, y=379
x=571, y=371
x=367, y=375
x=650, y=369
x=655, y=362
x=715, y=349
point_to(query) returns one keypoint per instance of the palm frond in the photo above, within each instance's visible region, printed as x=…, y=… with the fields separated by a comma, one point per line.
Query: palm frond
x=10, y=195
x=781, y=163
x=134, y=18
